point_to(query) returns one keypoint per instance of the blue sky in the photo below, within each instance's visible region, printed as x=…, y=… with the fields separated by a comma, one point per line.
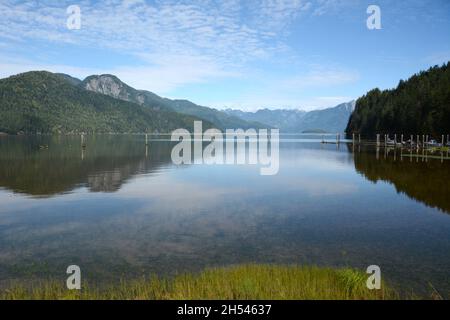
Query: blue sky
x=248, y=54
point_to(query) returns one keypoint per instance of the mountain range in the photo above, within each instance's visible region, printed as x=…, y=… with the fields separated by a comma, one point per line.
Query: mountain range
x=331, y=120
x=112, y=86
x=44, y=102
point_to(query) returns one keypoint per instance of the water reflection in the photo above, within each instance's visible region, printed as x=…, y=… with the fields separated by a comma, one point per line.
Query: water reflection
x=46, y=166
x=423, y=179
x=121, y=210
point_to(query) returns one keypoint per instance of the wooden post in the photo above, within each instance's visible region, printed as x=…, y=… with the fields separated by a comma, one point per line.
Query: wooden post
x=378, y=140
x=83, y=144
x=395, y=139
x=410, y=154
x=359, y=139
x=418, y=141
x=443, y=140
x=353, y=138
x=401, y=139
x=146, y=139
x=412, y=141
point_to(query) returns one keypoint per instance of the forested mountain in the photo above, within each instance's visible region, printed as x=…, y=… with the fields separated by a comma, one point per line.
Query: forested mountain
x=419, y=105
x=43, y=102
x=74, y=81
x=330, y=120
x=112, y=86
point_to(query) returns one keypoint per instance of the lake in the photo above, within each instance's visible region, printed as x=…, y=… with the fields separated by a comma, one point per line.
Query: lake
x=119, y=209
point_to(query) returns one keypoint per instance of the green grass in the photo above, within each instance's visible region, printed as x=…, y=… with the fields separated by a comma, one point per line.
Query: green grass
x=254, y=282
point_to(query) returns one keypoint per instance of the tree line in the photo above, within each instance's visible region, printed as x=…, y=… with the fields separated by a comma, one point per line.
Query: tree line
x=419, y=105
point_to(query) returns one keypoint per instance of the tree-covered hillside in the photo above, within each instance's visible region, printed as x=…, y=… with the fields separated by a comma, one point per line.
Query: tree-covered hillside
x=419, y=105
x=43, y=102
x=112, y=86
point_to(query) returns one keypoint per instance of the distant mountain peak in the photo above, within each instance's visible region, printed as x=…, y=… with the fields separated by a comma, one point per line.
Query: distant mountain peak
x=112, y=86
x=295, y=120
x=349, y=106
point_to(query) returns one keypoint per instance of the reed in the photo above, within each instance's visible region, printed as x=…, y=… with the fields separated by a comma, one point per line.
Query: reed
x=253, y=282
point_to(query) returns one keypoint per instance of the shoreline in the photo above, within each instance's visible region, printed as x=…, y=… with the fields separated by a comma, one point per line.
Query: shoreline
x=241, y=282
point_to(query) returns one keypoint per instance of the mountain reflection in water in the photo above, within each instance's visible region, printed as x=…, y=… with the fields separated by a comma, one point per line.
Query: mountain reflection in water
x=121, y=209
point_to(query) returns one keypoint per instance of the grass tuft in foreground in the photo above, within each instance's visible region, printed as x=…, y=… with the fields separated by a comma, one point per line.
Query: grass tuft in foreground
x=253, y=282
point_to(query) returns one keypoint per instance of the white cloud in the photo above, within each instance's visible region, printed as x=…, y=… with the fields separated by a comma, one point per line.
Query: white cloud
x=326, y=6
x=178, y=42
x=294, y=91
x=165, y=75
x=230, y=31
x=182, y=42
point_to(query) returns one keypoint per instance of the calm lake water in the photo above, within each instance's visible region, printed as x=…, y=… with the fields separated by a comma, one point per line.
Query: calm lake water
x=118, y=209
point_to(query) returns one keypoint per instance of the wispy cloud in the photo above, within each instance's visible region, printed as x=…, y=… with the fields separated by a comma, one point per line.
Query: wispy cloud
x=172, y=27
x=438, y=58
x=320, y=77
x=176, y=42
x=201, y=39
x=163, y=75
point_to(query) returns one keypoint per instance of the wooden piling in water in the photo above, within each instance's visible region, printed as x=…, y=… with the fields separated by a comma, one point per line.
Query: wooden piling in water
x=378, y=140
x=359, y=138
x=83, y=143
x=146, y=139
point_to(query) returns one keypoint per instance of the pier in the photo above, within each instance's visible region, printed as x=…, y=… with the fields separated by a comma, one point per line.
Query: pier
x=423, y=147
